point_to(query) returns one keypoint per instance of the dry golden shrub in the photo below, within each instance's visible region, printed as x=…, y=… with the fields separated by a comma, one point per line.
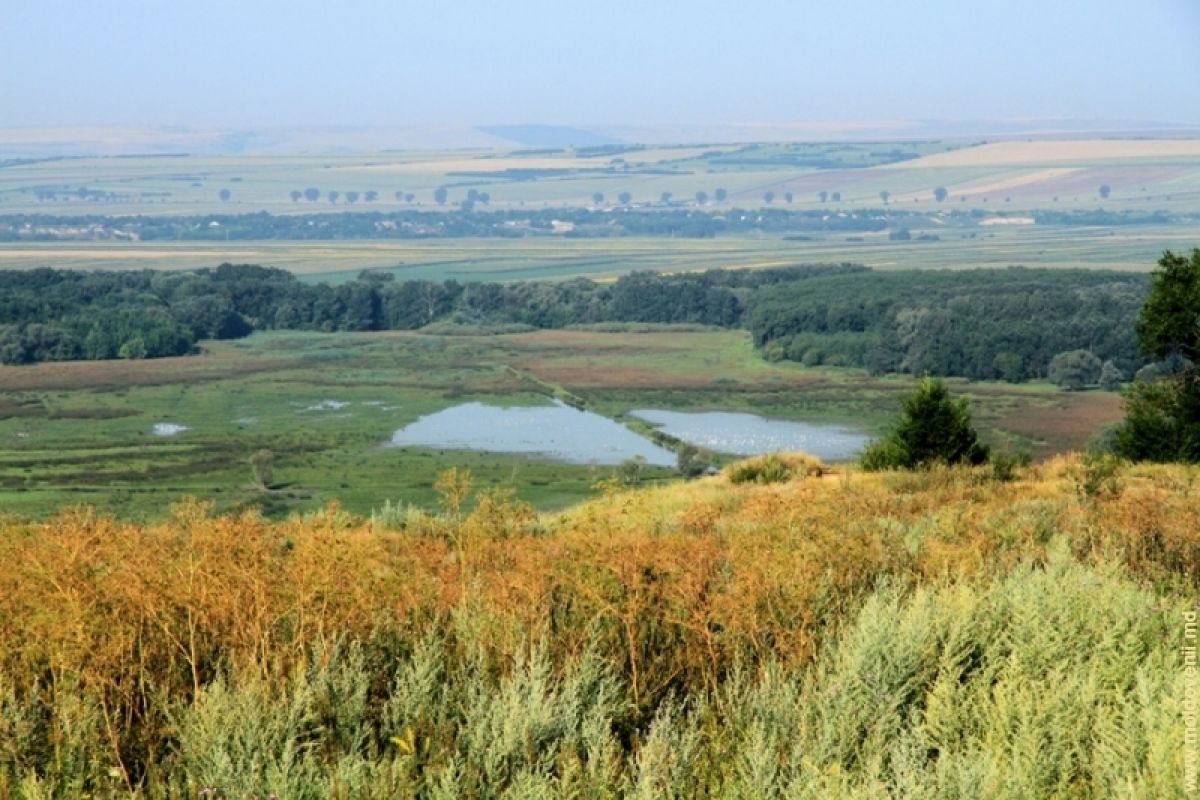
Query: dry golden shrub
x=672, y=586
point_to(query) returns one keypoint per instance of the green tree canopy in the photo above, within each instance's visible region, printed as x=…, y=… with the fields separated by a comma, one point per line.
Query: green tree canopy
x=932, y=429
x=1170, y=319
x=1111, y=376
x=1162, y=420
x=1162, y=407
x=1074, y=369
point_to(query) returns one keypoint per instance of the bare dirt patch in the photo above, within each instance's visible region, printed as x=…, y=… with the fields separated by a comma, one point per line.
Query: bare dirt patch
x=1067, y=425
x=474, y=165
x=1060, y=152
x=823, y=180
x=122, y=252
x=120, y=374
x=1124, y=181
x=1007, y=183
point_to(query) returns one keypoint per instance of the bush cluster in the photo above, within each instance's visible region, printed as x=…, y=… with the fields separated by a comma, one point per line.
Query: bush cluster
x=852, y=636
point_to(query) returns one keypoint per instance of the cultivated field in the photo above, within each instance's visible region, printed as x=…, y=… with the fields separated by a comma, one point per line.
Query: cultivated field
x=997, y=242
x=1000, y=183
x=1142, y=174
x=82, y=431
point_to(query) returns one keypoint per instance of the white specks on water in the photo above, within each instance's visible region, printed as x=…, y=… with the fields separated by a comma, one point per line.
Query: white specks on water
x=557, y=432
x=168, y=428
x=750, y=434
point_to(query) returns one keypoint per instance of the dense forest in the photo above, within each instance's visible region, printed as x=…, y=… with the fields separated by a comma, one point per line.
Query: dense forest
x=51, y=315
x=470, y=219
x=987, y=324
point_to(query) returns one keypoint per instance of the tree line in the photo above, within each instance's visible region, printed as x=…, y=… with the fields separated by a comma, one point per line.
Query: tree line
x=1007, y=324
x=54, y=315
x=469, y=220
x=465, y=220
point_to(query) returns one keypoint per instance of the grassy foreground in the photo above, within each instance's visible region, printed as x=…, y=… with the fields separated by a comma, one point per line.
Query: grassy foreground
x=940, y=634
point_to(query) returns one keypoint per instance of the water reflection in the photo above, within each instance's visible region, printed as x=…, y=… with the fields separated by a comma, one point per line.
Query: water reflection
x=556, y=431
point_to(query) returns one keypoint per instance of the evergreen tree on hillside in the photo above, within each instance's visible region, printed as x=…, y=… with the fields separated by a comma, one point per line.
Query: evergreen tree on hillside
x=1162, y=413
x=932, y=429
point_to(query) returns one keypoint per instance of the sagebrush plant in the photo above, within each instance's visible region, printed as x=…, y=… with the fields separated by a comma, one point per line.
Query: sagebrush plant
x=773, y=468
x=933, y=634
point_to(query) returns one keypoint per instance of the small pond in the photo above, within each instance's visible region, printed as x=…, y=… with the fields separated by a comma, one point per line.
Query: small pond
x=750, y=434
x=556, y=431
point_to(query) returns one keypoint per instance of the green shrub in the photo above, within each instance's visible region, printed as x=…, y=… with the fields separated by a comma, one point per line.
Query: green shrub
x=932, y=429
x=1097, y=475
x=1005, y=464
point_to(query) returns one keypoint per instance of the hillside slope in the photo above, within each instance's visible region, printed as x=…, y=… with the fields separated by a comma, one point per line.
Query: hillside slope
x=938, y=634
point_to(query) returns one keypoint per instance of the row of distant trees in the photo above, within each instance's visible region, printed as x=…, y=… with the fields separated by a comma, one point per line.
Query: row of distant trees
x=312, y=194
x=441, y=196
x=941, y=193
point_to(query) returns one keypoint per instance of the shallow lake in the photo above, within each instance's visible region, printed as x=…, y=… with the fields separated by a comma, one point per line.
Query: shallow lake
x=556, y=431
x=750, y=434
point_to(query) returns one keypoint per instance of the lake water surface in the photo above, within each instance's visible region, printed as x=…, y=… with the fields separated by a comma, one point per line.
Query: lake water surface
x=557, y=431
x=750, y=434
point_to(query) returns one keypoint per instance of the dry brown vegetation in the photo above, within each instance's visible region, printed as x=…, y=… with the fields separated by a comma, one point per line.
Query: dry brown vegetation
x=673, y=588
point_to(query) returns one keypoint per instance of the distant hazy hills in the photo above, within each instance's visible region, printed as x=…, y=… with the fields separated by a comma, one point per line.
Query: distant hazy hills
x=17, y=143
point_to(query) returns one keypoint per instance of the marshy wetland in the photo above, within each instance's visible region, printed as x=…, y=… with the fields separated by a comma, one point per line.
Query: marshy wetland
x=328, y=405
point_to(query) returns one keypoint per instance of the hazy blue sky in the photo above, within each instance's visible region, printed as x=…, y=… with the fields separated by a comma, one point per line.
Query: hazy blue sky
x=371, y=62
